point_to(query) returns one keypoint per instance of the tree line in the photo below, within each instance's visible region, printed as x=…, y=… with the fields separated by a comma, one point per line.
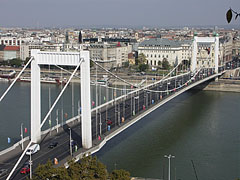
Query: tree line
x=89, y=168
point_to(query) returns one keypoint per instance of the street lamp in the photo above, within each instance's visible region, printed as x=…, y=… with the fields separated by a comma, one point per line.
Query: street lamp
x=169, y=165
x=57, y=119
x=30, y=163
x=70, y=141
x=22, y=135
x=100, y=123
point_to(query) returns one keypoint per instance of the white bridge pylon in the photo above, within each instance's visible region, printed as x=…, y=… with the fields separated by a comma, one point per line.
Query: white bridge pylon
x=196, y=40
x=66, y=59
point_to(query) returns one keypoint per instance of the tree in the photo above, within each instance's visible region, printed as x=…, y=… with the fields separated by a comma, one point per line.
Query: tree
x=229, y=15
x=126, y=64
x=165, y=64
x=26, y=60
x=91, y=63
x=15, y=62
x=143, y=67
x=88, y=168
x=44, y=171
x=91, y=168
x=120, y=175
x=159, y=63
x=141, y=59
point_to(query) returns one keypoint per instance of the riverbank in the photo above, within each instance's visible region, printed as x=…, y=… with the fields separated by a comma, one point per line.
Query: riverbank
x=223, y=85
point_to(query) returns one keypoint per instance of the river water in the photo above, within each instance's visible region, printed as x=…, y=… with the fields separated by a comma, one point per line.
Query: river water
x=202, y=127
x=199, y=126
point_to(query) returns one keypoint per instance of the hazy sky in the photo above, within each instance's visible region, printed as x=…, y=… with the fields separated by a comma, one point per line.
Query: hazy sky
x=77, y=13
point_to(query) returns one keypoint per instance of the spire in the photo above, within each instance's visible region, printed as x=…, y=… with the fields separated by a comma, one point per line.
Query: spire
x=80, y=37
x=67, y=38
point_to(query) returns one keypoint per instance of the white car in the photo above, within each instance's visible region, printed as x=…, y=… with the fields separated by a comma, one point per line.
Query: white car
x=33, y=149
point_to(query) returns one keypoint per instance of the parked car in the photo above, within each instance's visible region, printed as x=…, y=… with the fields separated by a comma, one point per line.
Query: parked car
x=33, y=149
x=3, y=172
x=53, y=144
x=25, y=170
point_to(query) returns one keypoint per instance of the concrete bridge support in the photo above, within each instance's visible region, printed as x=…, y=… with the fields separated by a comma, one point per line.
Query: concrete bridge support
x=65, y=59
x=196, y=40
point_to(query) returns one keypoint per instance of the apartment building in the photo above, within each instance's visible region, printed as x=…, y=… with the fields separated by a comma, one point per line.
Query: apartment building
x=110, y=55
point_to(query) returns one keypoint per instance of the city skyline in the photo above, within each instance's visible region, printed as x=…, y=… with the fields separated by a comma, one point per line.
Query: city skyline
x=100, y=13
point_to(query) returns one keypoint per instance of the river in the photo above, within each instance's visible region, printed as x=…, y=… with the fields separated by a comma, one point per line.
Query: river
x=198, y=126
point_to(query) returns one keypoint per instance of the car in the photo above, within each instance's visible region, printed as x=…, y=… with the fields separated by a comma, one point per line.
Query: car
x=27, y=163
x=53, y=144
x=109, y=122
x=25, y=170
x=33, y=149
x=3, y=172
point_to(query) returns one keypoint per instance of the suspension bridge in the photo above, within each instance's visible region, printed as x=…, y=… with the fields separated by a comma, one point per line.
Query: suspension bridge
x=97, y=123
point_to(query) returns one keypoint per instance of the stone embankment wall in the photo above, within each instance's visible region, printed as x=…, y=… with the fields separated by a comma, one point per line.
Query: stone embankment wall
x=225, y=85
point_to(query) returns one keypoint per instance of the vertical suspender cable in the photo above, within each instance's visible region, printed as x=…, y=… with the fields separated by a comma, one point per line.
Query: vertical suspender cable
x=60, y=94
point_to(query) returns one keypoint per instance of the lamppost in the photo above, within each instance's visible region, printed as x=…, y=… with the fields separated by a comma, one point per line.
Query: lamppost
x=57, y=119
x=169, y=165
x=100, y=123
x=30, y=163
x=22, y=135
x=70, y=141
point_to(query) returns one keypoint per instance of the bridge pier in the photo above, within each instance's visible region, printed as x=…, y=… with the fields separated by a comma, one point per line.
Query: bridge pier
x=35, y=100
x=65, y=59
x=214, y=40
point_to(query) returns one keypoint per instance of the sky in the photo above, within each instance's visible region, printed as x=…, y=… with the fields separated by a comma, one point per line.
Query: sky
x=123, y=13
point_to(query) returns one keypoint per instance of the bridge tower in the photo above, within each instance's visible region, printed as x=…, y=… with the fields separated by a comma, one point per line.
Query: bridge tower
x=66, y=59
x=196, y=40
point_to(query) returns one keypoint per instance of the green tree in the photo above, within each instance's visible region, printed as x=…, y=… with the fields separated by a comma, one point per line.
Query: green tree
x=26, y=60
x=120, y=175
x=15, y=62
x=142, y=59
x=142, y=67
x=44, y=171
x=126, y=64
x=165, y=64
x=89, y=168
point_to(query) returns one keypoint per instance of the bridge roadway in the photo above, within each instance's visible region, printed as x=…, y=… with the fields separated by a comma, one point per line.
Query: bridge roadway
x=125, y=108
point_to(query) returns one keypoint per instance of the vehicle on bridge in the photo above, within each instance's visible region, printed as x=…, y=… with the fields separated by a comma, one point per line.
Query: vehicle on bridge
x=53, y=144
x=25, y=170
x=33, y=149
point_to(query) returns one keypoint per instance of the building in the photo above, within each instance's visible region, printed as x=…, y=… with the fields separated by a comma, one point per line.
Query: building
x=157, y=49
x=25, y=49
x=11, y=41
x=9, y=52
x=110, y=55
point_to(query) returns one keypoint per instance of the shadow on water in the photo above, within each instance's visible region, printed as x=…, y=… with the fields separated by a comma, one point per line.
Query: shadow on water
x=158, y=131
x=177, y=122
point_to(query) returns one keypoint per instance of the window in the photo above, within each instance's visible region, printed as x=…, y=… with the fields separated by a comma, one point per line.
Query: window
x=159, y=55
x=151, y=62
x=151, y=55
x=155, y=63
x=167, y=56
x=155, y=55
x=163, y=56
